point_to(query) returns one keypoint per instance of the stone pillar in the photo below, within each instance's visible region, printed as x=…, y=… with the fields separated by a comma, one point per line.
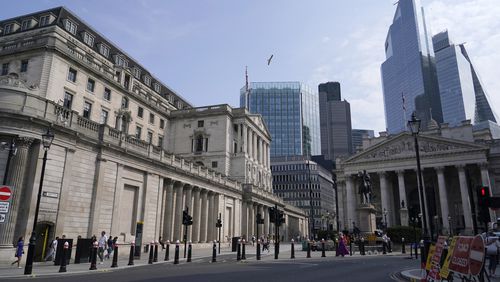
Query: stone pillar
x=266, y=221
x=210, y=219
x=251, y=221
x=403, y=203
x=429, y=219
x=204, y=212
x=250, y=143
x=16, y=179
x=350, y=201
x=188, y=203
x=178, y=187
x=443, y=197
x=254, y=143
x=215, y=216
x=384, y=197
x=196, y=215
x=168, y=222
x=244, y=212
x=244, y=138
x=464, y=193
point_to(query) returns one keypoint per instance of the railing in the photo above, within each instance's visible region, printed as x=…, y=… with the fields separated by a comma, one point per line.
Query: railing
x=87, y=124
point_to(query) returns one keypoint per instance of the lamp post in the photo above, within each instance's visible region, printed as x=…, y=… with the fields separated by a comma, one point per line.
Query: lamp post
x=449, y=226
x=47, y=139
x=12, y=152
x=385, y=219
x=436, y=223
x=414, y=125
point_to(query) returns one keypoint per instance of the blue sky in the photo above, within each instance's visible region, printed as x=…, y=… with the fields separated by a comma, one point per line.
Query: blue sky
x=200, y=48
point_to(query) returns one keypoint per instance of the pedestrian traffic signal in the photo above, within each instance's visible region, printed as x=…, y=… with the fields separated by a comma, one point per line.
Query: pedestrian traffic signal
x=272, y=215
x=483, y=202
x=218, y=224
x=281, y=217
x=186, y=218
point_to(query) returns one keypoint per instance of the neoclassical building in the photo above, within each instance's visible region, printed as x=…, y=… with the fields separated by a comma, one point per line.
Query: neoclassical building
x=127, y=148
x=454, y=161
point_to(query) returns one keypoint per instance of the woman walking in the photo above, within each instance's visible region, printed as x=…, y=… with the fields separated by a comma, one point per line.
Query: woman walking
x=341, y=248
x=19, y=251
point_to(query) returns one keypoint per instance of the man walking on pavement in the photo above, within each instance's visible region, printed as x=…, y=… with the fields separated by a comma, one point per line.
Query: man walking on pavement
x=52, y=250
x=102, y=245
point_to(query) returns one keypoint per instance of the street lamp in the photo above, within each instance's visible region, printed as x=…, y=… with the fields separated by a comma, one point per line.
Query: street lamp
x=47, y=139
x=385, y=219
x=449, y=226
x=12, y=152
x=414, y=125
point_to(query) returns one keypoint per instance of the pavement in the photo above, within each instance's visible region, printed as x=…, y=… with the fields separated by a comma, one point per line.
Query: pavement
x=200, y=255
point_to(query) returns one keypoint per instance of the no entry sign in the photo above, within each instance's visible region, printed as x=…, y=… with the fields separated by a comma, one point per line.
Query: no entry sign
x=460, y=259
x=476, y=255
x=5, y=193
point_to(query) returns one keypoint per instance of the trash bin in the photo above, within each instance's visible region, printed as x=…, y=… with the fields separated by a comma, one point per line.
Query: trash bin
x=83, y=250
x=59, y=251
x=234, y=243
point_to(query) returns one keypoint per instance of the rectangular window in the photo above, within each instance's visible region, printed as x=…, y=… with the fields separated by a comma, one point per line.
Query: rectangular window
x=24, y=65
x=149, y=138
x=26, y=24
x=157, y=87
x=90, y=85
x=87, y=109
x=104, y=50
x=70, y=26
x=138, y=132
x=201, y=123
x=107, y=94
x=44, y=20
x=214, y=164
x=151, y=118
x=68, y=100
x=137, y=73
x=147, y=80
x=162, y=123
x=140, y=112
x=72, y=75
x=160, y=141
x=88, y=39
x=9, y=28
x=124, y=103
x=104, y=117
x=5, y=68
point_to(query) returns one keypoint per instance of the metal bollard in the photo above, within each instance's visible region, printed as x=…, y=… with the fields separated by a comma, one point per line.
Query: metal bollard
x=403, y=249
x=292, y=250
x=214, y=252
x=258, y=249
x=176, y=254
x=238, y=251
x=155, y=257
x=350, y=246
x=362, y=246
x=243, y=255
x=115, y=257
x=384, y=247
x=150, y=260
x=93, y=261
x=308, y=248
x=323, y=255
x=190, y=249
x=416, y=251
x=167, y=251
x=131, y=255
x=63, y=258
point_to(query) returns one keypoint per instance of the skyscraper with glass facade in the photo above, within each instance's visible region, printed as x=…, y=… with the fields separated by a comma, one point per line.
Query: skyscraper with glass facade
x=408, y=74
x=291, y=113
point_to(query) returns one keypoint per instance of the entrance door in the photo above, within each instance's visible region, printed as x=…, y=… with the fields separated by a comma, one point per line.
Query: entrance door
x=44, y=235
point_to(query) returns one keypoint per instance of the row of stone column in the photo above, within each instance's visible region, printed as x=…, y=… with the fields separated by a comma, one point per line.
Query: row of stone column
x=442, y=190
x=249, y=211
x=253, y=145
x=203, y=206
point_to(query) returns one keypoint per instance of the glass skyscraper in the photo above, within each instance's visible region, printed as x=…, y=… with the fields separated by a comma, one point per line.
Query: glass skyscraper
x=290, y=111
x=408, y=74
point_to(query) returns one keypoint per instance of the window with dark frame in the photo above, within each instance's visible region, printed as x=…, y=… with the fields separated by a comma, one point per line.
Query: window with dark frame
x=5, y=68
x=138, y=132
x=72, y=75
x=87, y=109
x=107, y=94
x=124, y=103
x=151, y=118
x=162, y=123
x=44, y=20
x=214, y=164
x=140, y=112
x=104, y=117
x=68, y=100
x=24, y=66
x=201, y=123
x=160, y=141
x=90, y=85
x=149, y=138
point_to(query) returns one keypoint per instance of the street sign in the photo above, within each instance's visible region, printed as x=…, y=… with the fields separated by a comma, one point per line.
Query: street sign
x=2, y=218
x=5, y=193
x=476, y=255
x=432, y=249
x=460, y=260
x=4, y=207
x=436, y=258
x=444, y=270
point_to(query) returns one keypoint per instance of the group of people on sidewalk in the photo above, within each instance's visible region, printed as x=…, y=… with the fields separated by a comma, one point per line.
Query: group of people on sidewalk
x=105, y=244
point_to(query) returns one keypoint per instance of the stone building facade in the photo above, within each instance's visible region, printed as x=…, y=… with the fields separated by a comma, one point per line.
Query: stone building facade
x=121, y=152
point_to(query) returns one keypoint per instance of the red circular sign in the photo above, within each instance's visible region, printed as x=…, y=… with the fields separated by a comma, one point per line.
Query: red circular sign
x=5, y=193
x=476, y=255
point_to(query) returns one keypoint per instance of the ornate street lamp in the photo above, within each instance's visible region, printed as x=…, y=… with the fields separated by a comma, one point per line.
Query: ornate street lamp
x=47, y=139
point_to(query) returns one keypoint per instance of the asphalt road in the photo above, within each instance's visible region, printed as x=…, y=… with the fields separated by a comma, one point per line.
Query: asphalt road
x=369, y=268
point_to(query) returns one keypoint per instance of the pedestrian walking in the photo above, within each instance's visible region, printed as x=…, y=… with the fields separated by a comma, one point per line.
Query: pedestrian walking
x=160, y=240
x=492, y=251
x=19, y=251
x=341, y=246
x=102, y=246
x=110, y=248
x=52, y=250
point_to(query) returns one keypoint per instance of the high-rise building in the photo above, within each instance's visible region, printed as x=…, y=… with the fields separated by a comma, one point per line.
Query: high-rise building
x=357, y=137
x=290, y=111
x=408, y=74
x=335, y=122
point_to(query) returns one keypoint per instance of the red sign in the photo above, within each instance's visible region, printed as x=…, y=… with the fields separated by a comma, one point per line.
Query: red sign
x=476, y=255
x=5, y=193
x=460, y=259
x=436, y=258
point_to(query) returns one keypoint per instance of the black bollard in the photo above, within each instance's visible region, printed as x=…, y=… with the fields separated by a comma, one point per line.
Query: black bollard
x=155, y=257
x=258, y=249
x=63, y=258
x=403, y=249
x=151, y=253
x=323, y=255
x=308, y=248
x=176, y=254
x=292, y=250
x=238, y=251
x=93, y=261
x=167, y=251
x=190, y=250
x=384, y=247
x=131, y=255
x=243, y=253
x=350, y=246
x=214, y=252
x=115, y=257
x=416, y=251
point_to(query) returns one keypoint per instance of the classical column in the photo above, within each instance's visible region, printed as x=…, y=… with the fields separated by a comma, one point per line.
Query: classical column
x=168, y=222
x=210, y=220
x=188, y=203
x=261, y=226
x=204, y=212
x=215, y=216
x=403, y=203
x=196, y=214
x=251, y=221
x=244, y=138
x=464, y=193
x=350, y=201
x=250, y=143
x=266, y=221
x=244, y=212
x=178, y=188
x=426, y=204
x=443, y=197
x=15, y=179
x=384, y=196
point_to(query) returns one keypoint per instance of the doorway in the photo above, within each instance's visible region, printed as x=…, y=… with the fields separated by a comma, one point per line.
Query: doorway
x=44, y=235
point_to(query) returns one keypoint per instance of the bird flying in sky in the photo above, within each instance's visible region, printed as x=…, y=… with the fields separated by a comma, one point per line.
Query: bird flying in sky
x=269, y=60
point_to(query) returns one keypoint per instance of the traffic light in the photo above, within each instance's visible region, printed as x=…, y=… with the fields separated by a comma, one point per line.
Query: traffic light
x=272, y=215
x=281, y=217
x=218, y=224
x=483, y=202
x=186, y=218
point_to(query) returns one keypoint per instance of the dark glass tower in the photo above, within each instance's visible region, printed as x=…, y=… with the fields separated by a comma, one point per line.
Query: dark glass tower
x=290, y=110
x=408, y=74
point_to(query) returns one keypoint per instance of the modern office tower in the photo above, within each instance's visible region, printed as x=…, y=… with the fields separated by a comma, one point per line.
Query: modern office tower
x=306, y=184
x=408, y=74
x=357, y=137
x=290, y=111
x=335, y=122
